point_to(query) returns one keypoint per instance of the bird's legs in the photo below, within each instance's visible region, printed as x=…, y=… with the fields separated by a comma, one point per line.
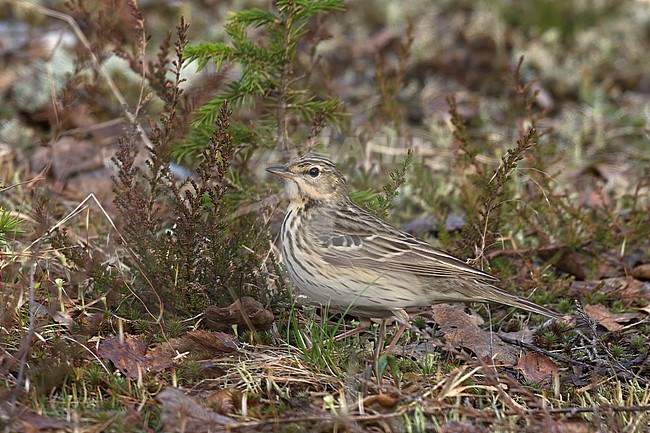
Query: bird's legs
x=402, y=318
x=378, y=349
x=398, y=334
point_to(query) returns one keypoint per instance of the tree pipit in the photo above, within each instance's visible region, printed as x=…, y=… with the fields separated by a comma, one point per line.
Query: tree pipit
x=343, y=256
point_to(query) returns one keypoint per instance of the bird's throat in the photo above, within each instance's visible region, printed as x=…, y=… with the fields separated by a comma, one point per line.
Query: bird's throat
x=310, y=204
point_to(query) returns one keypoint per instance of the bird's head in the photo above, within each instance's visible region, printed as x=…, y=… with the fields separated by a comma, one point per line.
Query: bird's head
x=312, y=178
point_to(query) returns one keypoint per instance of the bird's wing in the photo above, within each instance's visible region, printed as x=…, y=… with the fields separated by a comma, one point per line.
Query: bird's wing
x=377, y=245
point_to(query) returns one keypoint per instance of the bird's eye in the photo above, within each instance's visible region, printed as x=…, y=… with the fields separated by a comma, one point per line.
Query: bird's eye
x=314, y=172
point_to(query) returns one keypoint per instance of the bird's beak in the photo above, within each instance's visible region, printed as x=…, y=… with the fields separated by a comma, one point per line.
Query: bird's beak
x=280, y=171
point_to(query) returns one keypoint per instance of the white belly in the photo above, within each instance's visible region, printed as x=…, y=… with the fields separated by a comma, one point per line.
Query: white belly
x=343, y=288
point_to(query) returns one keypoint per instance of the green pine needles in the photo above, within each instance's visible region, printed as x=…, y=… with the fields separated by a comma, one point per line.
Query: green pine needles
x=271, y=79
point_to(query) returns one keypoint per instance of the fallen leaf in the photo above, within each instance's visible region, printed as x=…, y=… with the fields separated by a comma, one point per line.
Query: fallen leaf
x=63, y=318
x=199, y=343
x=69, y=156
x=461, y=330
x=129, y=356
x=566, y=260
x=237, y=313
x=610, y=321
x=641, y=272
x=579, y=263
x=223, y=400
x=536, y=367
x=20, y=419
x=382, y=400
x=626, y=289
x=215, y=340
x=33, y=422
x=182, y=413
x=570, y=426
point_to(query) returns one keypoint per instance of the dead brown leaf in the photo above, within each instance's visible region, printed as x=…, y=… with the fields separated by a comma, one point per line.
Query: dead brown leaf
x=20, y=419
x=380, y=401
x=69, y=157
x=35, y=423
x=641, y=272
x=610, y=321
x=130, y=357
x=627, y=289
x=182, y=413
x=224, y=400
x=199, y=343
x=461, y=330
x=215, y=340
x=536, y=367
x=566, y=261
x=578, y=262
x=63, y=318
x=570, y=426
x=238, y=313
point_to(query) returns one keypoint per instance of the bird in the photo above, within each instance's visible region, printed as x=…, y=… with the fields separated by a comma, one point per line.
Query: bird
x=342, y=256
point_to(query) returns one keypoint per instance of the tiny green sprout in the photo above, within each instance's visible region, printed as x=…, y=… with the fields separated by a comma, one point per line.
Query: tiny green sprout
x=638, y=342
x=594, y=298
x=548, y=339
x=528, y=383
x=394, y=368
x=175, y=327
x=617, y=307
x=567, y=339
x=616, y=350
x=191, y=371
x=429, y=364
x=565, y=306
x=93, y=374
x=142, y=326
x=419, y=322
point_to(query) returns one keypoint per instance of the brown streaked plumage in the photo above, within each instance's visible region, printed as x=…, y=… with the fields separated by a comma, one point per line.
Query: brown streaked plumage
x=340, y=255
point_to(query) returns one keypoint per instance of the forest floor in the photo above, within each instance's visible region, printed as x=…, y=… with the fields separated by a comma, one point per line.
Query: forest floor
x=92, y=340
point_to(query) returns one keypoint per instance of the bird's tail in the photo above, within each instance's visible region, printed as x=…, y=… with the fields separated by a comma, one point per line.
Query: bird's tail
x=491, y=293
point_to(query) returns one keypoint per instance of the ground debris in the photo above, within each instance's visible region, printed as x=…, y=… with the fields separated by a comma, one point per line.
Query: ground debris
x=536, y=367
x=610, y=321
x=182, y=413
x=626, y=289
x=462, y=330
x=243, y=312
x=18, y=419
x=641, y=272
x=130, y=356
